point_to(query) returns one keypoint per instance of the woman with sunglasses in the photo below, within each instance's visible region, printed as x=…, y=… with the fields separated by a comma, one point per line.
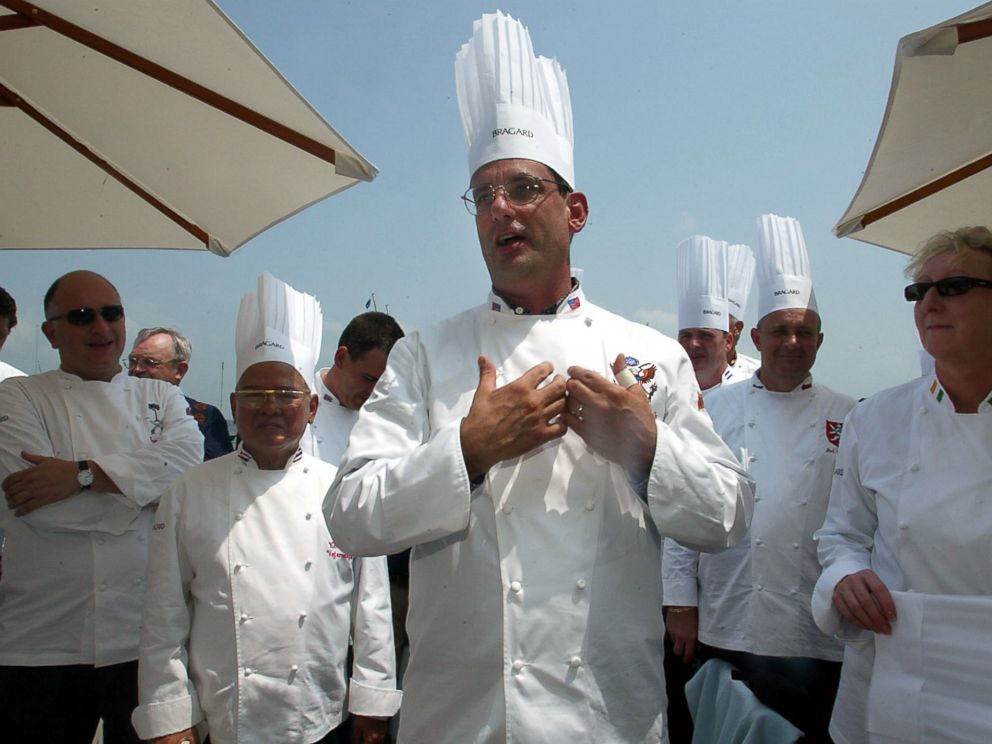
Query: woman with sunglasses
x=906, y=547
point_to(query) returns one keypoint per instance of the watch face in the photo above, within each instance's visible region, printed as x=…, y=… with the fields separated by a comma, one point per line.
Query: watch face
x=85, y=478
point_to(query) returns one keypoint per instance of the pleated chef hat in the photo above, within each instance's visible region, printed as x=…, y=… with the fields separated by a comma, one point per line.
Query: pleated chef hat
x=512, y=103
x=701, y=270
x=740, y=275
x=278, y=324
x=784, y=278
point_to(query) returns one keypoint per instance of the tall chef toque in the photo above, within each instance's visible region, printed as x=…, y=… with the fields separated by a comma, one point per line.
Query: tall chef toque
x=513, y=104
x=701, y=270
x=740, y=275
x=278, y=324
x=784, y=278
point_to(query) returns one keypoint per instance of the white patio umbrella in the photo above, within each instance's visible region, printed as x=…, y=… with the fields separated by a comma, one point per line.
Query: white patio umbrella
x=151, y=124
x=930, y=170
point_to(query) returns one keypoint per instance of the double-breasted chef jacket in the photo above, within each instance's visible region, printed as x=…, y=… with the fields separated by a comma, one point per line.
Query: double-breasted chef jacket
x=535, y=602
x=755, y=596
x=74, y=570
x=249, y=609
x=910, y=501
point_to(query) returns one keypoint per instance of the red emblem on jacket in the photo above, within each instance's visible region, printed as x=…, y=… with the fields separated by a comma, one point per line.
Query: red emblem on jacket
x=834, y=428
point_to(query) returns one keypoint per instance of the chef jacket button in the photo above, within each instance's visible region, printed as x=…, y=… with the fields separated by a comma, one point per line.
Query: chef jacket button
x=244, y=617
x=67, y=385
x=588, y=322
x=238, y=471
x=309, y=515
x=303, y=616
x=294, y=668
x=247, y=671
x=306, y=470
x=759, y=541
x=518, y=310
x=759, y=587
x=590, y=505
x=809, y=463
x=914, y=467
x=103, y=587
x=137, y=582
x=507, y=507
x=239, y=516
x=795, y=546
x=804, y=502
x=306, y=566
x=515, y=587
x=575, y=662
x=750, y=424
x=757, y=499
x=141, y=538
x=580, y=584
x=100, y=541
x=903, y=526
x=793, y=592
x=518, y=666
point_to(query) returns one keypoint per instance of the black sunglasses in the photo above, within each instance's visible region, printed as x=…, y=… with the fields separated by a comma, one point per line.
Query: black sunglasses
x=949, y=287
x=86, y=315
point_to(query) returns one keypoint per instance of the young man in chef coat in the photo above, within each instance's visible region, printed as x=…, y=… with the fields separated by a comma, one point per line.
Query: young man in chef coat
x=532, y=450
x=250, y=602
x=85, y=452
x=751, y=604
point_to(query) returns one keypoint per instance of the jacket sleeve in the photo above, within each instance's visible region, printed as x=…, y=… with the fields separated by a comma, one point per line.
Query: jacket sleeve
x=698, y=493
x=372, y=688
x=679, y=566
x=143, y=474
x=167, y=697
x=845, y=541
x=400, y=482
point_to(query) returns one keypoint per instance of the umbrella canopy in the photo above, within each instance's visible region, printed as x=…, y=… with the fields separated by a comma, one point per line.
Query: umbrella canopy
x=930, y=170
x=151, y=124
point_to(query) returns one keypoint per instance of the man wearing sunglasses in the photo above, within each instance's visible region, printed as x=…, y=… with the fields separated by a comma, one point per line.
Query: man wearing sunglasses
x=85, y=452
x=164, y=354
x=513, y=447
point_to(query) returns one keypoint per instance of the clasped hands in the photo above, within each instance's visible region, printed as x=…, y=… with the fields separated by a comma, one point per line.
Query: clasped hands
x=503, y=423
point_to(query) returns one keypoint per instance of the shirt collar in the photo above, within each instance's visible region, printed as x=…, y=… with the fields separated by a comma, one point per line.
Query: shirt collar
x=803, y=386
x=571, y=302
x=245, y=458
x=942, y=399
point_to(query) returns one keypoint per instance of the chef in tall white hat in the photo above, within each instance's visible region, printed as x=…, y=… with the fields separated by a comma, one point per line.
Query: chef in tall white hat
x=750, y=605
x=530, y=450
x=740, y=276
x=701, y=273
x=250, y=602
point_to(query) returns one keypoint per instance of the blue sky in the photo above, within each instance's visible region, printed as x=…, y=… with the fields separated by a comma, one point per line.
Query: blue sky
x=690, y=117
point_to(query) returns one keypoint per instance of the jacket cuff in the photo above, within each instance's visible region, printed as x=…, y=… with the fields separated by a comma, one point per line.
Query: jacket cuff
x=166, y=717
x=365, y=700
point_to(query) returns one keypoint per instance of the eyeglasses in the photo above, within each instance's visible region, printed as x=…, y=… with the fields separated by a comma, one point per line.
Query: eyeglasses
x=952, y=286
x=134, y=362
x=519, y=191
x=86, y=315
x=255, y=399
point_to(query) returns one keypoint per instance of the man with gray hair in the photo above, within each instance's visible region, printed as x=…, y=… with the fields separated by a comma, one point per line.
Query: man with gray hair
x=164, y=354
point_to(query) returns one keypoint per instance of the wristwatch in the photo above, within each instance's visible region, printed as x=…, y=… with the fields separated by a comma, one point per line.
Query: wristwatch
x=85, y=476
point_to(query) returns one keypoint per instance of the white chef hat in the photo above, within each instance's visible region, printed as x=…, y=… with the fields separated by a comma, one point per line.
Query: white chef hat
x=701, y=270
x=513, y=104
x=278, y=324
x=784, y=278
x=740, y=275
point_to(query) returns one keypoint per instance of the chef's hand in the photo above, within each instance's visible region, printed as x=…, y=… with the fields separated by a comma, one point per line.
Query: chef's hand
x=683, y=625
x=616, y=422
x=49, y=479
x=512, y=420
x=367, y=730
x=182, y=737
x=865, y=601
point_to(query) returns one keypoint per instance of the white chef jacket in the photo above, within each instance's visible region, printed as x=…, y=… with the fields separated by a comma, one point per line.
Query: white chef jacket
x=327, y=436
x=755, y=597
x=7, y=370
x=909, y=501
x=742, y=369
x=74, y=571
x=249, y=608
x=535, y=607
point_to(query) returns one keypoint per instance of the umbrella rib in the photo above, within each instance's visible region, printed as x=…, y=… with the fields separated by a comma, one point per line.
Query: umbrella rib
x=193, y=229
x=173, y=80
x=952, y=178
x=11, y=22
x=974, y=31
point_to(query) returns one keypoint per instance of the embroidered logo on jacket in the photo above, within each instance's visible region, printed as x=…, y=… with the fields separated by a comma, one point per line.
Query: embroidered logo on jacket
x=156, y=423
x=644, y=373
x=833, y=431
x=334, y=552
